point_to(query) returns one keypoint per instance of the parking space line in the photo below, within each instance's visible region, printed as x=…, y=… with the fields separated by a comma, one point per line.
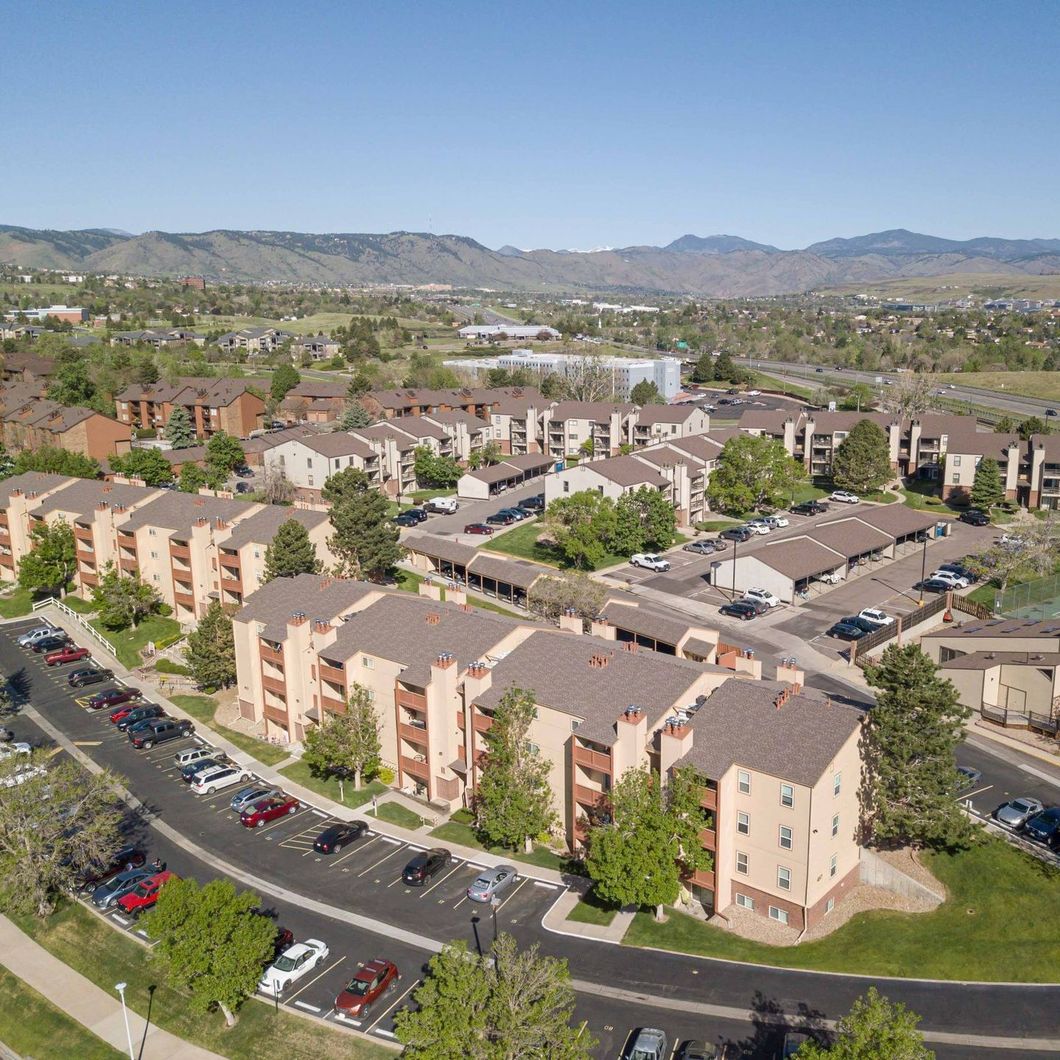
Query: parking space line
x=504, y=901
x=356, y=850
x=390, y=839
x=286, y=819
x=320, y=813
x=978, y=791
x=290, y=1000
x=306, y=1005
x=392, y=1006
x=396, y=850
x=458, y=864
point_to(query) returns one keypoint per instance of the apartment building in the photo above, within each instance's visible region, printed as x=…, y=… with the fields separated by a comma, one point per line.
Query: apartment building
x=313, y=401
x=307, y=462
x=467, y=433
x=41, y=422
x=963, y=452
x=25, y=367
x=315, y=347
x=611, y=478
x=568, y=425
x=18, y=495
x=666, y=423
x=420, y=401
x=397, y=455
x=1043, y=472
x=516, y=422
x=256, y=341
x=158, y=338
x=212, y=405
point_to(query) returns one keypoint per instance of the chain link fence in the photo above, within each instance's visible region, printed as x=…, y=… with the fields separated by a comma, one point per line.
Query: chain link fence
x=1038, y=599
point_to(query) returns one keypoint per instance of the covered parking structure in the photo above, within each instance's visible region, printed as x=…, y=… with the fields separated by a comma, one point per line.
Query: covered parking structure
x=512, y=471
x=631, y=624
x=785, y=567
x=440, y=555
x=904, y=525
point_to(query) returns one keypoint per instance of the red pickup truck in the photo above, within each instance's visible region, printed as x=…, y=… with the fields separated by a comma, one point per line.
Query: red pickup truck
x=71, y=653
x=145, y=893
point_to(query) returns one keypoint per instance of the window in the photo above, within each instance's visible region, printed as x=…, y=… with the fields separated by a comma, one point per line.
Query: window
x=745, y=901
x=370, y=695
x=783, y=878
x=741, y=862
x=154, y=577
x=743, y=824
x=787, y=795
x=309, y=462
x=833, y=865
x=533, y=748
x=154, y=555
x=743, y=782
x=956, y=461
x=367, y=663
x=777, y=914
x=837, y=784
x=785, y=837
x=829, y=906
x=835, y=825
x=566, y=487
x=151, y=532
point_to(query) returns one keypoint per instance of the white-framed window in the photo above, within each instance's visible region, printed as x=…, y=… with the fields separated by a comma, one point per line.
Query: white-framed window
x=829, y=906
x=783, y=878
x=533, y=747
x=154, y=577
x=837, y=784
x=745, y=901
x=370, y=695
x=743, y=781
x=787, y=795
x=956, y=461
x=833, y=865
x=367, y=662
x=785, y=837
x=154, y=555
x=742, y=862
x=566, y=487
x=835, y=825
x=743, y=823
x=778, y=914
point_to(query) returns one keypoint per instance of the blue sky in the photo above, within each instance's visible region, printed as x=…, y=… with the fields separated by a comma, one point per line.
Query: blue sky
x=537, y=124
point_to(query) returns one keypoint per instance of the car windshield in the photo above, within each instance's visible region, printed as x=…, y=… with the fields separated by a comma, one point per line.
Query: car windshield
x=1021, y=807
x=285, y=964
x=358, y=987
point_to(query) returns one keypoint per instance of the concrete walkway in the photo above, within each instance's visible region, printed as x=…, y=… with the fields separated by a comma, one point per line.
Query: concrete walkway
x=85, y=1002
x=555, y=920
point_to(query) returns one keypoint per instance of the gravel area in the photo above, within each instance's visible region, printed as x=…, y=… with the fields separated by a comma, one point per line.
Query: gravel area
x=860, y=900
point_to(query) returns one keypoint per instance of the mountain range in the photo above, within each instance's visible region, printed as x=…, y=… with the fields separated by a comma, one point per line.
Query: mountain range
x=719, y=266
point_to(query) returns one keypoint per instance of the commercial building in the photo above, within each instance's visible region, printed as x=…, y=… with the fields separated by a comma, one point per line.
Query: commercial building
x=66, y=314
x=509, y=332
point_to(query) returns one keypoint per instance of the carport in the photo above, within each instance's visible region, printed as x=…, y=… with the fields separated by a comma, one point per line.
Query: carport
x=510, y=472
x=904, y=525
x=855, y=540
x=440, y=555
x=504, y=579
x=784, y=568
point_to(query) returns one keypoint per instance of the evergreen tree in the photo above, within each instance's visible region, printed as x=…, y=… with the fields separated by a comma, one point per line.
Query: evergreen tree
x=646, y=393
x=862, y=461
x=908, y=746
x=988, y=491
x=290, y=553
x=123, y=600
x=724, y=368
x=192, y=478
x=211, y=651
x=355, y=415
x=179, y=430
x=704, y=369
x=513, y=800
x=51, y=563
x=50, y=458
x=284, y=379
x=365, y=540
x=751, y=473
x=874, y=1029
x=346, y=745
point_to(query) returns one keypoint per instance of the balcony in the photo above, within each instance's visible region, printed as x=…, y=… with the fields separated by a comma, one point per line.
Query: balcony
x=180, y=552
x=703, y=878
x=591, y=759
x=128, y=563
x=412, y=700
x=276, y=714
x=270, y=654
x=86, y=556
x=481, y=722
x=231, y=576
x=413, y=733
x=709, y=799
x=709, y=838
x=589, y=796
x=460, y=720
x=414, y=768
x=336, y=706
x=275, y=685
x=87, y=579
x=184, y=599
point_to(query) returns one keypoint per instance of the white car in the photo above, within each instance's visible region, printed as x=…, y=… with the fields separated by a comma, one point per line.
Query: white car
x=776, y=522
x=763, y=596
x=292, y=964
x=218, y=777
x=954, y=580
x=649, y=561
x=758, y=526
x=843, y=497
x=876, y=616
x=832, y=577
x=753, y=393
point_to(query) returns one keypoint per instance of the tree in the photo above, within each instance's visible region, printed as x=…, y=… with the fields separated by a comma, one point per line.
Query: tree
x=874, y=1029
x=275, y=487
x=862, y=460
x=587, y=379
x=290, y=552
x=354, y=415
x=211, y=650
x=646, y=393
x=56, y=461
x=1032, y=425
x=435, y=471
x=506, y=1005
x=346, y=745
x=179, y=430
x=988, y=491
x=580, y=525
x=123, y=600
x=71, y=385
x=284, y=379
x=41, y=855
x=753, y=472
x=513, y=799
x=147, y=464
x=553, y=595
x=51, y=563
x=857, y=398
x=1006, y=425
x=213, y=941
x=1030, y=553
x=192, y=478
x=486, y=456
x=908, y=746
x=704, y=369
x=365, y=540
x=649, y=839
x=910, y=397
x=644, y=518
x=223, y=453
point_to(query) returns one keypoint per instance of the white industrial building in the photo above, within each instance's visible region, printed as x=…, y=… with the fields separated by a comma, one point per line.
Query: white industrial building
x=509, y=331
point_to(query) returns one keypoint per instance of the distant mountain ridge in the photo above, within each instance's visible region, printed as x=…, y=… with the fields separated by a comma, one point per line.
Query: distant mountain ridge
x=718, y=266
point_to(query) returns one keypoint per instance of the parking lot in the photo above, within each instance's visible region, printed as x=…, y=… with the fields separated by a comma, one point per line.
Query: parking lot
x=472, y=511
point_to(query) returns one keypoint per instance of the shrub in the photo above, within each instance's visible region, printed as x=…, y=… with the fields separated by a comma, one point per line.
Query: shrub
x=145, y=432
x=167, y=666
x=385, y=775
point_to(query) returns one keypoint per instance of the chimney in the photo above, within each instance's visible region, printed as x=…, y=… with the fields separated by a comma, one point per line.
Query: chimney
x=202, y=521
x=433, y=618
x=325, y=583
x=597, y=661
x=632, y=714
x=631, y=646
x=297, y=619
x=320, y=626
x=571, y=621
x=445, y=660
x=108, y=488
x=788, y=672
x=602, y=628
x=675, y=741
x=781, y=698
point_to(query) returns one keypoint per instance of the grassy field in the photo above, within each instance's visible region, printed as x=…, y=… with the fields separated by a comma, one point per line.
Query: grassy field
x=329, y=788
x=955, y=285
x=521, y=541
x=764, y=381
x=998, y=925
x=458, y=829
x=203, y=708
x=1045, y=385
x=128, y=642
x=397, y=814
x=106, y=956
x=32, y=1026
x=18, y=602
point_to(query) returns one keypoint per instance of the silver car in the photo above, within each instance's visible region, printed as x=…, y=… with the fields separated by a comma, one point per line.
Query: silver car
x=106, y=895
x=1018, y=812
x=492, y=883
x=251, y=793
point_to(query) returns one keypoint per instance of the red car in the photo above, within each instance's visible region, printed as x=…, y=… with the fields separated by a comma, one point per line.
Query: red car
x=70, y=654
x=145, y=893
x=372, y=980
x=478, y=528
x=112, y=697
x=268, y=809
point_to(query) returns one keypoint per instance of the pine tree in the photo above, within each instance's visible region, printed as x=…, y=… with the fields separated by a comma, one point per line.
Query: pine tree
x=355, y=415
x=704, y=369
x=365, y=540
x=987, y=490
x=862, y=461
x=346, y=744
x=284, y=379
x=908, y=746
x=211, y=651
x=646, y=393
x=179, y=431
x=290, y=553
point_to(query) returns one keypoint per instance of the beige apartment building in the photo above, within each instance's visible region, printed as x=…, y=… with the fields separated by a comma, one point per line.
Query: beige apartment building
x=667, y=423
x=308, y=462
x=516, y=422
x=568, y=425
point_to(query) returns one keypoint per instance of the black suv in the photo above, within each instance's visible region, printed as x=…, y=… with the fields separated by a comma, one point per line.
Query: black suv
x=809, y=508
x=424, y=865
x=974, y=517
x=49, y=644
x=145, y=737
x=413, y=517
x=148, y=712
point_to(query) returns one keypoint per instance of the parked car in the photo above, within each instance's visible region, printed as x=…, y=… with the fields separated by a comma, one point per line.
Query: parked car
x=146, y=734
x=535, y=503
x=270, y=808
x=758, y=526
x=776, y=522
x=47, y=645
x=30, y=637
x=442, y=505
x=192, y=755
x=337, y=836
x=144, y=894
x=961, y=571
x=650, y=561
x=500, y=519
x=831, y=577
x=1051, y=412
x=91, y=675
x=217, y=777
x=933, y=585
x=113, y=697
x=492, y=883
x=844, y=497
x=650, y=1043
x=478, y=528
x=955, y=580
x=862, y=623
x=244, y=472
x=744, y=610
x=244, y=487
x=808, y=508
x=191, y=772
x=701, y=548
x=697, y=1050
x=846, y=631
x=124, y=860
x=974, y=517
x=876, y=616
x=250, y=794
x=408, y=519
x=424, y=865
x=1044, y=827
x=1017, y=812
x=373, y=979
x=967, y=777
x=71, y=653
x=517, y=513
x=106, y=895
x=292, y=964
x=130, y=714
x=737, y=533
x=763, y=596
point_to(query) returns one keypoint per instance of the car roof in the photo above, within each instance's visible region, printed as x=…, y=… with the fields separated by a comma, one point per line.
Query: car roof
x=493, y=873
x=370, y=969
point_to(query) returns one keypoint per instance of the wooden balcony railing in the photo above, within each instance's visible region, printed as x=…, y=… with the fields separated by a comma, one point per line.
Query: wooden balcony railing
x=709, y=799
x=481, y=722
x=708, y=837
x=588, y=796
x=583, y=756
x=704, y=878
x=180, y=552
x=414, y=768
x=412, y=700
x=276, y=714
x=413, y=733
x=274, y=684
x=336, y=706
x=270, y=654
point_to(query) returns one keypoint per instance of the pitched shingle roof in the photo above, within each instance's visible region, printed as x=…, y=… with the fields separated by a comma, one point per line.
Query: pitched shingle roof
x=260, y=528
x=84, y=495
x=318, y=597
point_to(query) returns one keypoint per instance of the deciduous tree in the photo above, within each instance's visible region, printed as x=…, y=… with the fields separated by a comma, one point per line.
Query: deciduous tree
x=910, y=397
x=50, y=458
x=862, y=460
x=290, y=553
x=552, y=595
x=147, y=464
x=284, y=379
x=644, y=518
x=346, y=745
x=580, y=525
x=988, y=491
x=223, y=453
x=874, y=1029
x=51, y=563
x=435, y=471
x=123, y=600
x=365, y=541
x=179, y=430
x=211, y=651
x=487, y=455
x=752, y=473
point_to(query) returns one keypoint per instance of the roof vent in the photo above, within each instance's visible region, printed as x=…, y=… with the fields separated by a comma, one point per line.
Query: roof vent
x=598, y=661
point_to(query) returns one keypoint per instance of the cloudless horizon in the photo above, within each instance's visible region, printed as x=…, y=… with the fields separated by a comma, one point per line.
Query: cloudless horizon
x=537, y=125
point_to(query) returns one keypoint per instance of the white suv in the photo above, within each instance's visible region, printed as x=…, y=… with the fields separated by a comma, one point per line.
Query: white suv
x=776, y=522
x=763, y=596
x=844, y=497
x=954, y=580
x=211, y=780
x=649, y=561
x=876, y=616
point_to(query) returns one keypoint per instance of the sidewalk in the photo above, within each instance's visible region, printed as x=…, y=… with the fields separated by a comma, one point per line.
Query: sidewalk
x=555, y=920
x=85, y=1002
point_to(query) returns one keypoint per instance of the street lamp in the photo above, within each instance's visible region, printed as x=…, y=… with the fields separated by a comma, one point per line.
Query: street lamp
x=494, y=906
x=735, y=549
x=923, y=571
x=120, y=987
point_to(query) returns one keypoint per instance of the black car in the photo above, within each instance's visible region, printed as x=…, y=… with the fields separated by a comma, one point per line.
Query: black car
x=48, y=644
x=244, y=472
x=534, y=504
x=128, y=857
x=336, y=836
x=862, y=623
x=89, y=676
x=961, y=571
x=933, y=585
x=413, y=517
x=737, y=533
x=189, y=772
x=148, y=712
x=1051, y=412
x=744, y=610
x=974, y=517
x=424, y=865
x=1044, y=827
x=846, y=631
x=809, y=508
x=501, y=519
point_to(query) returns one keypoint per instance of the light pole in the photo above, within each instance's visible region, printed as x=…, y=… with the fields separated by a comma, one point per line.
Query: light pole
x=120, y=987
x=923, y=571
x=494, y=906
x=735, y=549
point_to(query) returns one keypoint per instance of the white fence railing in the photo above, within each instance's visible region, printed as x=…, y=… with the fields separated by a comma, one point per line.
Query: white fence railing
x=79, y=619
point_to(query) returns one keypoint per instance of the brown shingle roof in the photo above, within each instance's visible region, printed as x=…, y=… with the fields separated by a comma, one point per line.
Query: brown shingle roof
x=83, y=495
x=598, y=411
x=896, y=519
x=518, y=572
x=627, y=471
x=650, y=414
x=172, y=510
x=440, y=548
x=851, y=536
x=800, y=557
x=260, y=527
x=318, y=597
x=646, y=623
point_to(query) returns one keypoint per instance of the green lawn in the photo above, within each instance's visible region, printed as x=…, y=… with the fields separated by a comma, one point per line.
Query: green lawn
x=716, y=525
x=32, y=1026
x=521, y=541
x=397, y=814
x=489, y=605
x=329, y=788
x=419, y=496
x=763, y=380
x=409, y=580
x=458, y=829
x=82, y=607
x=128, y=642
x=983, y=594
x=998, y=925
x=107, y=956
x=1045, y=385
x=202, y=708
x=18, y=602
x=590, y=910
x=807, y=491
